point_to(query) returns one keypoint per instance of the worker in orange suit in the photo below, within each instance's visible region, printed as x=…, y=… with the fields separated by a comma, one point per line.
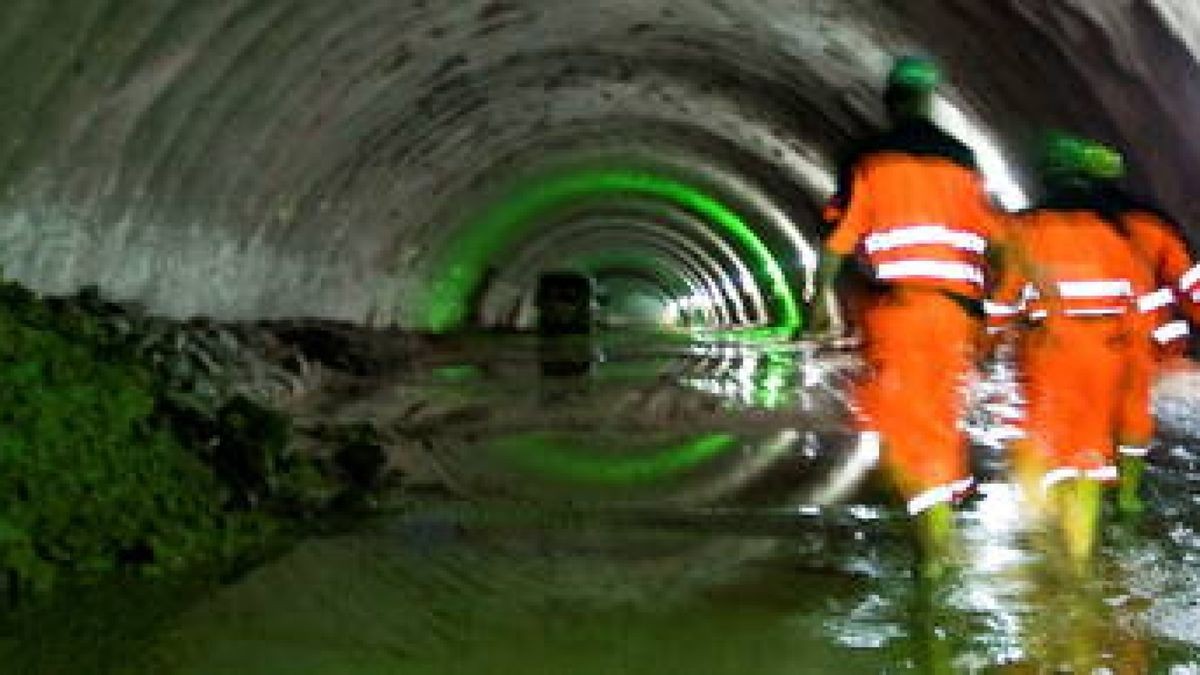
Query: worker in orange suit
x=1076, y=285
x=919, y=225
x=1162, y=247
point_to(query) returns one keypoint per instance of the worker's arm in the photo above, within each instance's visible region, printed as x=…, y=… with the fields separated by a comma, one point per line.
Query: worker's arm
x=1182, y=271
x=849, y=213
x=1012, y=270
x=824, y=317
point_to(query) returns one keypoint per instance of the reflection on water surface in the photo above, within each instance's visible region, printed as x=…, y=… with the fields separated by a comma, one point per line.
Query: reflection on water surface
x=657, y=515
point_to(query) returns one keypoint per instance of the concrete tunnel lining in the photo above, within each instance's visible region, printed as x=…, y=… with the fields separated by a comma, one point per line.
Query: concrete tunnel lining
x=280, y=158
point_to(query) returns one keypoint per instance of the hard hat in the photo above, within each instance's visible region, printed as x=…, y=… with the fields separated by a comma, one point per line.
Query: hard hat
x=914, y=73
x=1063, y=154
x=1103, y=162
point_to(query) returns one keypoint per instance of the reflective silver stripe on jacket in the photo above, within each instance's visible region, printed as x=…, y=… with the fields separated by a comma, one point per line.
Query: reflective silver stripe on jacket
x=1098, y=311
x=1189, y=279
x=1173, y=330
x=1109, y=288
x=931, y=269
x=925, y=235
x=1156, y=300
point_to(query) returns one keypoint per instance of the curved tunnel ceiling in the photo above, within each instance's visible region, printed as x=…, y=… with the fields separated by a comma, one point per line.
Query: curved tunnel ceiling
x=377, y=161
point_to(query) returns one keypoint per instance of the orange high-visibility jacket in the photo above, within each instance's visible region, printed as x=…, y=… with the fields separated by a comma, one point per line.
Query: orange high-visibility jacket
x=1074, y=265
x=1176, y=275
x=927, y=223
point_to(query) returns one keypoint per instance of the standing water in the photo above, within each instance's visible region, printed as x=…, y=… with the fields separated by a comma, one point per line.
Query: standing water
x=654, y=506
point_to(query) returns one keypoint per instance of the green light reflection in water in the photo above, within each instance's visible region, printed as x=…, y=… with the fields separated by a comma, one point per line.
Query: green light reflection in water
x=470, y=254
x=582, y=459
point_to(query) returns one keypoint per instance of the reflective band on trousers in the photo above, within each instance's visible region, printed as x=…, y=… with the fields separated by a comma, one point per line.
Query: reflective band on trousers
x=1156, y=300
x=1134, y=450
x=930, y=269
x=1171, y=331
x=1189, y=279
x=1008, y=412
x=1055, y=476
x=1110, y=288
x=942, y=494
x=925, y=235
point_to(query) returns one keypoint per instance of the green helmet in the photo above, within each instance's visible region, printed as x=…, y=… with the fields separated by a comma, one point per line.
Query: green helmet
x=914, y=73
x=1063, y=155
x=1102, y=162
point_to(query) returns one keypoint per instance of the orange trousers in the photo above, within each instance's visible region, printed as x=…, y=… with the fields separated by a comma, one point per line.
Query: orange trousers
x=919, y=347
x=1147, y=359
x=1075, y=373
x=1135, y=423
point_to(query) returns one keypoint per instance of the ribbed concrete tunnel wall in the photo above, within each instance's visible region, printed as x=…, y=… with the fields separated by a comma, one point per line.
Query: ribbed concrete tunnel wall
x=264, y=158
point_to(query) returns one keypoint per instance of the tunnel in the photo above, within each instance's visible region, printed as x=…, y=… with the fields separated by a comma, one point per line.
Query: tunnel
x=401, y=173
x=381, y=163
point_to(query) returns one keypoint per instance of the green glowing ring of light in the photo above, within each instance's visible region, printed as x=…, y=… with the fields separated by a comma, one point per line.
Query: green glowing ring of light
x=544, y=452
x=469, y=254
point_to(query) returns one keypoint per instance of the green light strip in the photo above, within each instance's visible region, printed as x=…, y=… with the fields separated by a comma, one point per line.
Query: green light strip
x=573, y=458
x=770, y=334
x=470, y=254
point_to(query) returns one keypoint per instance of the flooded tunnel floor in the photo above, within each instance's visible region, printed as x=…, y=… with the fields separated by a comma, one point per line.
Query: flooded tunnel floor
x=655, y=512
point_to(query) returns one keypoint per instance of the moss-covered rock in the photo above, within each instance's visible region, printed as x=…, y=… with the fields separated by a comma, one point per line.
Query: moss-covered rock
x=92, y=478
x=137, y=443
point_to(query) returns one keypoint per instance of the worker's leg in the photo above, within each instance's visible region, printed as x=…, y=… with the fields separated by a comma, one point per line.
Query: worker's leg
x=1092, y=366
x=918, y=355
x=1135, y=427
x=1074, y=373
x=1032, y=457
x=1029, y=465
x=935, y=655
x=935, y=536
x=1077, y=503
x=1129, y=498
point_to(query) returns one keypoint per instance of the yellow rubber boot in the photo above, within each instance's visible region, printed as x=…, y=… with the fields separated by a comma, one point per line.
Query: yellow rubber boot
x=1028, y=469
x=1078, y=509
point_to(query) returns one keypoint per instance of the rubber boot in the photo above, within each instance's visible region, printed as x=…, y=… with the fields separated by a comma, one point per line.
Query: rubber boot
x=1078, y=504
x=1028, y=469
x=1129, y=500
x=935, y=536
x=935, y=656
